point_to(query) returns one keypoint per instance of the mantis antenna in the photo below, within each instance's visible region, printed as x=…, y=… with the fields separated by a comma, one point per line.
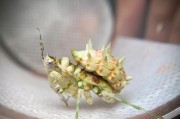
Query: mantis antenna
x=41, y=44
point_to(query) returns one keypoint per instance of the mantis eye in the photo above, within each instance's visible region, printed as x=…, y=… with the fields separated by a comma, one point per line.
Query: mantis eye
x=50, y=64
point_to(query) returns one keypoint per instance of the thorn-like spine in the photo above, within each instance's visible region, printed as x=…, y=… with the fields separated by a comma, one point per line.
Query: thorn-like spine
x=87, y=48
x=102, y=49
x=90, y=45
x=88, y=55
x=108, y=49
x=129, y=78
x=121, y=61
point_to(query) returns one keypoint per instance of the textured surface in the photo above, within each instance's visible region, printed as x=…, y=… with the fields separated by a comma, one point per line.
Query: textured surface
x=154, y=66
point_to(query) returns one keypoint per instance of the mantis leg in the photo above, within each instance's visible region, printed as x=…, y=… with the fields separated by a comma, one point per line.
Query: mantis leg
x=132, y=105
x=78, y=104
x=88, y=98
x=65, y=100
x=102, y=95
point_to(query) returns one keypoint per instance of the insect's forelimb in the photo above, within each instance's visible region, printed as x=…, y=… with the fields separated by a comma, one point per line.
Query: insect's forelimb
x=41, y=44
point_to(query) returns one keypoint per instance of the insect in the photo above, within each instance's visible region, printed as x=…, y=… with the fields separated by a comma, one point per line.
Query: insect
x=96, y=71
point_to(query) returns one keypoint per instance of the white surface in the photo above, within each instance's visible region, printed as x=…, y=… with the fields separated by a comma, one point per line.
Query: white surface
x=155, y=68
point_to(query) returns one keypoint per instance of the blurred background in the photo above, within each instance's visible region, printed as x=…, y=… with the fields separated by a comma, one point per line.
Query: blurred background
x=156, y=20
x=64, y=25
x=67, y=25
x=142, y=30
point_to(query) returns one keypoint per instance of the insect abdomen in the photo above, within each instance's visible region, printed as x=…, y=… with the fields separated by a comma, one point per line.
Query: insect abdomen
x=79, y=74
x=103, y=64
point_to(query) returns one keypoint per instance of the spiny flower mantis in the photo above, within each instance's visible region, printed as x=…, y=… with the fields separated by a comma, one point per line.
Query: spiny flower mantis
x=96, y=71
